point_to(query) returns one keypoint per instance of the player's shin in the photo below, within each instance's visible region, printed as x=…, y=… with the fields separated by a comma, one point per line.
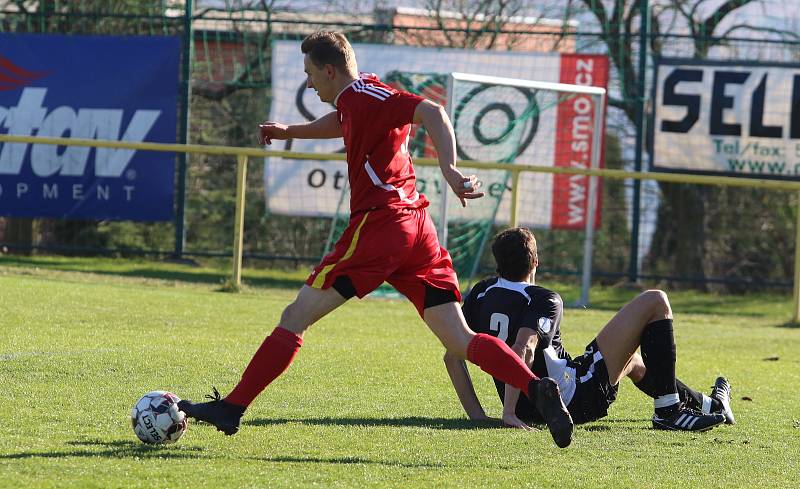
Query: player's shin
x=272, y=359
x=498, y=360
x=658, y=353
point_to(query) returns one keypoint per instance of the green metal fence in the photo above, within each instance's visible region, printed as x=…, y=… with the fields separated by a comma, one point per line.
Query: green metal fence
x=226, y=76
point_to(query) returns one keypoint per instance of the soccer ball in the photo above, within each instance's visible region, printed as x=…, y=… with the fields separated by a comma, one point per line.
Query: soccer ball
x=156, y=419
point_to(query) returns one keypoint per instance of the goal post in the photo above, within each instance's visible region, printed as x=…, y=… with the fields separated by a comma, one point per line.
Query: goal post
x=508, y=120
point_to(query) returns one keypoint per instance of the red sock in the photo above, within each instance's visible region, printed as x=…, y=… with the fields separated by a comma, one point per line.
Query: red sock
x=498, y=360
x=272, y=359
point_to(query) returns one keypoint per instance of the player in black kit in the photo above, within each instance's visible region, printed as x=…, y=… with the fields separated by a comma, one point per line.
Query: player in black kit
x=528, y=318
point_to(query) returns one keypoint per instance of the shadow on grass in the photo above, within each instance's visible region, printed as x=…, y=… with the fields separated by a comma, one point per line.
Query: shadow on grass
x=617, y=420
x=439, y=423
x=129, y=449
x=606, y=425
x=684, y=301
x=602, y=299
x=152, y=271
x=114, y=449
x=739, y=306
x=351, y=461
x=411, y=421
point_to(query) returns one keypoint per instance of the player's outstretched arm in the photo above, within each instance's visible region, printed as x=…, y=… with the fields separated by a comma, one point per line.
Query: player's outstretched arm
x=459, y=376
x=326, y=127
x=524, y=345
x=439, y=128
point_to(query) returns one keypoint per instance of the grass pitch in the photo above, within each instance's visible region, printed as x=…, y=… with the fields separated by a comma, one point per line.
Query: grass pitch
x=367, y=402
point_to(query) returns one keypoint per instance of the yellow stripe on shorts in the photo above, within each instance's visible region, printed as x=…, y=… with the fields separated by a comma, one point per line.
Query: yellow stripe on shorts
x=320, y=280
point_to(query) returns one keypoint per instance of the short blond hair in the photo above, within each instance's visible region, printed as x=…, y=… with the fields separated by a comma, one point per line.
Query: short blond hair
x=330, y=48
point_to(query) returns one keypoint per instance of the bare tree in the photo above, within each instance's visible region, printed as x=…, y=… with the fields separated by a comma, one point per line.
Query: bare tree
x=689, y=239
x=257, y=53
x=483, y=24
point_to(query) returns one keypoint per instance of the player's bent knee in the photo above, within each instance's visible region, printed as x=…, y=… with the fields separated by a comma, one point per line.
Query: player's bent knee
x=658, y=302
x=292, y=319
x=635, y=368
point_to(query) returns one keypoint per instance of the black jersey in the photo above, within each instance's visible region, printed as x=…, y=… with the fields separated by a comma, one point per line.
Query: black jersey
x=499, y=307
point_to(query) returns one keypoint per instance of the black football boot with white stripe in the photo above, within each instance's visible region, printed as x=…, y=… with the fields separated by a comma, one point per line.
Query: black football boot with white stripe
x=686, y=419
x=722, y=393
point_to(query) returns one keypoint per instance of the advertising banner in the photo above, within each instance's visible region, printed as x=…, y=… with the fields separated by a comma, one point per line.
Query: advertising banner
x=111, y=88
x=732, y=118
x=552, y=138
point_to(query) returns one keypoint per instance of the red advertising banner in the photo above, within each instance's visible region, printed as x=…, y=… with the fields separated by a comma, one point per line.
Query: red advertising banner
x=573, y=147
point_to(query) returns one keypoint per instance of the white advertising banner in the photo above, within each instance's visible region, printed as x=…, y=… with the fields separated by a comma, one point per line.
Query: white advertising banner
x=314, y=188
x=729, y=118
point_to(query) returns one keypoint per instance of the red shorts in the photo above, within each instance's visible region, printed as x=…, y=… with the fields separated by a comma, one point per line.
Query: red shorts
x=398, y=246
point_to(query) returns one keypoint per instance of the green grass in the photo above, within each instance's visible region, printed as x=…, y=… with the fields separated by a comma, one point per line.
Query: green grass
x=367, y=403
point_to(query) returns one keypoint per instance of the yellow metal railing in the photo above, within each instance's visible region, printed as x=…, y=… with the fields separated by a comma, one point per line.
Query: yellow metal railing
x=243, y=154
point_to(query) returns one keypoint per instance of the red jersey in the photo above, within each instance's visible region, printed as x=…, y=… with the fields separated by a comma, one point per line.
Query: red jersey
x=375, y=120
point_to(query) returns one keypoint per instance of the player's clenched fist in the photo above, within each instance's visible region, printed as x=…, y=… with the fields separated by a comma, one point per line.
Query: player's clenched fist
x=268, y=131
x=465, y=187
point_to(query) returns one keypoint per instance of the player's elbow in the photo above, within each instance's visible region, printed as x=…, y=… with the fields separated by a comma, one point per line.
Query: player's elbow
x=436, y=108
x=437, y=112
x=429, y=112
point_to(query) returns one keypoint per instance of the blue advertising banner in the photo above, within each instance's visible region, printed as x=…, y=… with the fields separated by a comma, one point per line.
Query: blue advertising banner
x=112, y=88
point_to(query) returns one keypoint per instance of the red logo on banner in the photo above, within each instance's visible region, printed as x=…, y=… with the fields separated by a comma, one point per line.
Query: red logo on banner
x=12, y=76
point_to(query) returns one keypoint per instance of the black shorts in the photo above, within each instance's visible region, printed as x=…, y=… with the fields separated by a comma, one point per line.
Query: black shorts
x=584, y=381
x=593, y=390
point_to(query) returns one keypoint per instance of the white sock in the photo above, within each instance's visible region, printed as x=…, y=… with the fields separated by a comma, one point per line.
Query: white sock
x=663, y=403
x=706, y=404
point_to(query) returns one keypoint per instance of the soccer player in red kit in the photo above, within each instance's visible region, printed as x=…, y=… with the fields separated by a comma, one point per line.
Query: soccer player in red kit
x=390, y=236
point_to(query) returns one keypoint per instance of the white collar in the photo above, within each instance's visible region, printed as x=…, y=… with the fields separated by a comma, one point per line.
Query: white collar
x=509, y=285
x=336, y=100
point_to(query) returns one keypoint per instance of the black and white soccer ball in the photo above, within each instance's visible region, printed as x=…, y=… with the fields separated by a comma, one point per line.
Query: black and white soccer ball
x=156, y=418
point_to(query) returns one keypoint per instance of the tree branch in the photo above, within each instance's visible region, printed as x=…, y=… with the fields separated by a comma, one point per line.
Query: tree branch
x=437, y=7
x=201, y=13
x=619, y=49
x=780, y=32
x=655, y=30
x=218, y=91
x=704, y=30
x=634, y=10
x=21, y=6
x=708, y=26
